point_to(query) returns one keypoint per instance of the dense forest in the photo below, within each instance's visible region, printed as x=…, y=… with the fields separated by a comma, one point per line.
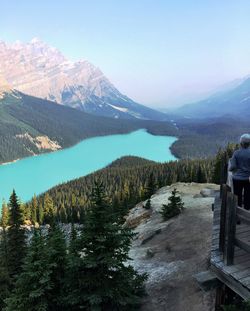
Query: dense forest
x=126, y=181
x=20, y=114
x=87, y=270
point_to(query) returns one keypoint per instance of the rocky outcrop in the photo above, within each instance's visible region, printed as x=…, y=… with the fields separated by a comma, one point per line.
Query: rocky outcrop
x=172, y=252
x=41, y=142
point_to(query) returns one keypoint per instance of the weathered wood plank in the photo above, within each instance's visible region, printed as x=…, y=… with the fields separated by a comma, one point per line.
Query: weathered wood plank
x=237, y=287
x=242, y=244
x=243, y=212
x=241, y=274
x=232, y=204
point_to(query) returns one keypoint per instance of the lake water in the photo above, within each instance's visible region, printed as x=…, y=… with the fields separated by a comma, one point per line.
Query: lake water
x=37, y=174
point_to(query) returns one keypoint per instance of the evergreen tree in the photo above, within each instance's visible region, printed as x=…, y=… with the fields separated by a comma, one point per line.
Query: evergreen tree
x=148, y=204
x=56, y=249
x=48, y=209
x=4, y=215
x=26, y=211
x=16, y=240
x=174, y=207
x=34, y=210
x=151, y=186
x=34, y=283
x=103, y=281
x=5, y=281
x=40, y=213
x=201, y=177
x=62, y=214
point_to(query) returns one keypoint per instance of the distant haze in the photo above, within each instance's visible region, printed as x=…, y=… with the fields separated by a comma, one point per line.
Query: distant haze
x=158, y=52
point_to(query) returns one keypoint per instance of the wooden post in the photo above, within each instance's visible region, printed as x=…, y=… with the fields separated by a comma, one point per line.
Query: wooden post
x=232, y=203
x=224, y=192
x=220, y=297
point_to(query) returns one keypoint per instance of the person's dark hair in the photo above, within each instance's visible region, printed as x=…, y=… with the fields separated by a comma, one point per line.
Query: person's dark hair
x=245, y=141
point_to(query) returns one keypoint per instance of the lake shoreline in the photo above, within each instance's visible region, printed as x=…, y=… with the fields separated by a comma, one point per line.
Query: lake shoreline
x=68, y=147
x=46, y=170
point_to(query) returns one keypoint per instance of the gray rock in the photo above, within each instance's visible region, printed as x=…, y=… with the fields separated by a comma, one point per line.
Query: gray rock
x=206, y=192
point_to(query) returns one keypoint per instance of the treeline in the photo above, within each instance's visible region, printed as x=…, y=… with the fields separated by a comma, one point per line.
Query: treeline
x=126, y=181
x=21, y=114
x=201, y=138
x=87, y=271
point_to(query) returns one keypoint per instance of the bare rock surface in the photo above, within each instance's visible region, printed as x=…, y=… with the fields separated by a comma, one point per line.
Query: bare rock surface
x=172, y=252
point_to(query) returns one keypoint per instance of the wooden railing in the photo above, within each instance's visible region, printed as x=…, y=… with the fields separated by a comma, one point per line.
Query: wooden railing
x=230, y=214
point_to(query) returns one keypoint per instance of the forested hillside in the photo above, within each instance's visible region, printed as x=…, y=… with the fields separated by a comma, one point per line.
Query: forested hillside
x=202, y=138
x=29, y=125
x=25, y=119
x=126, y=181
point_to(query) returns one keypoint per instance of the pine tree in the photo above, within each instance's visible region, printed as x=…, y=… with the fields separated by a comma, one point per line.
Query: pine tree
x=151, y=186
x=56, y=249
x=40, y=214
x=34, y=210
x=148, y=204
x=4, y=215
x=201, y=177
x=34, y=283
x=103, y=281
x=16, y=239
x=174, y=207
x=62, y=214
x=5, y=281
x=48, y=209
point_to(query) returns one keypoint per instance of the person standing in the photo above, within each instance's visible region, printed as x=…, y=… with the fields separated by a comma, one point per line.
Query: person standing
x=240, y=167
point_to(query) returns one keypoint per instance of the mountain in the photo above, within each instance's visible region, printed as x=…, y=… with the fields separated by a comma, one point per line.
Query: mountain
x=4, y=87
x=234, y=101
x=30, y=125
x=39, y=70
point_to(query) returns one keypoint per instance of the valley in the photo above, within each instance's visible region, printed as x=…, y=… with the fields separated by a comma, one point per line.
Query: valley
x=118, y=123
x=45, y=171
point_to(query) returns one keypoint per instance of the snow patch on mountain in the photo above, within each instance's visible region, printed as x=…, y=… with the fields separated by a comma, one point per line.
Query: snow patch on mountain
x=119, y=108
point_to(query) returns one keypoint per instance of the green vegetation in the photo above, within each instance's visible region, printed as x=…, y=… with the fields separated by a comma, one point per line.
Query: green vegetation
x=242, y=306
x=21, y=114
x=106, y=282
x=201, y=138
x=174, y=207
x=125, y=184
x=89, y=273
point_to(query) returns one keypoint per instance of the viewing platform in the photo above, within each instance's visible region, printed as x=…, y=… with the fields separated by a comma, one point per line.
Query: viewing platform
x=230, y=250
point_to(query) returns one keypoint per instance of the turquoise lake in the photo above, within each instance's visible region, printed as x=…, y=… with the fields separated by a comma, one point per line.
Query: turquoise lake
x=36, y=174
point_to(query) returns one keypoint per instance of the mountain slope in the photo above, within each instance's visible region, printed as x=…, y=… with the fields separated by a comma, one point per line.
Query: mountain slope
x=30, y=125
x=232, y=102
x=39, y=70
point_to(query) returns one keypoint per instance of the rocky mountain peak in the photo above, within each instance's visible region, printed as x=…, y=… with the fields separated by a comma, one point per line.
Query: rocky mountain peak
x=37, y=69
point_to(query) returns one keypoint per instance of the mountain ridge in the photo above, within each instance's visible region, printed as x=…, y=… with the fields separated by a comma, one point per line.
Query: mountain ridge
x=234, y=101
x=39, y=70
x=30, y=125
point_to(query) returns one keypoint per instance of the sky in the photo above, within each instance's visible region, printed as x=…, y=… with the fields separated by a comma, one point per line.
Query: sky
x=160, y=53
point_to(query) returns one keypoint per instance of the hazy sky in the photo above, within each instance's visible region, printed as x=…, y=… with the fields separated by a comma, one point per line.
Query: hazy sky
x=158, y=52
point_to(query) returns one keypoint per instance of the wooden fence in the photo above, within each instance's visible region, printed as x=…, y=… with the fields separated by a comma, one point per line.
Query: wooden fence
x=230, y=214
